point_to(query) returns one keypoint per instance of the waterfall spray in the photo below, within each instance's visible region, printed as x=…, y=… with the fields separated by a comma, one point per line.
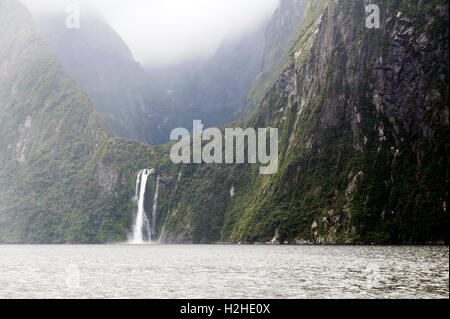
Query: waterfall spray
x=155, y=207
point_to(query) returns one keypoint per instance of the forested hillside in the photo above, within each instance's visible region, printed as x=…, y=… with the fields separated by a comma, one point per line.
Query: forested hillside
x=64, y=176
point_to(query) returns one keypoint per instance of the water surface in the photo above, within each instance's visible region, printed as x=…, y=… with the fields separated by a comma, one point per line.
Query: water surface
x=210, y=271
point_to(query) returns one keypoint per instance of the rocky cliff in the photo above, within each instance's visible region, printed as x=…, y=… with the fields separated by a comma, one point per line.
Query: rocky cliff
x=363, y=119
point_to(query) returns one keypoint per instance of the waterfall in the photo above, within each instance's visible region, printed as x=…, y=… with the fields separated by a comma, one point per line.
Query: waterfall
x=141, y=221
x=155, y=207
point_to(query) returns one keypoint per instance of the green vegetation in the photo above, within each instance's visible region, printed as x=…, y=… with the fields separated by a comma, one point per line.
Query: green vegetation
x=363, y=145
x=64, y=177
x=363, y=139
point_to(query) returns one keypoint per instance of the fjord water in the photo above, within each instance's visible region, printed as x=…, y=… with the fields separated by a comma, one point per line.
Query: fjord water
x=212, y=271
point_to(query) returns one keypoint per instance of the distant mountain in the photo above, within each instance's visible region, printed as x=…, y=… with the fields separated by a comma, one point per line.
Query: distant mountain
x=100, y=61
x=214, y=89
x=229, y=86
x=147, y=105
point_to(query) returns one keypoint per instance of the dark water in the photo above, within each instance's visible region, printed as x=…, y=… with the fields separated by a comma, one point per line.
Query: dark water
x=160, y=271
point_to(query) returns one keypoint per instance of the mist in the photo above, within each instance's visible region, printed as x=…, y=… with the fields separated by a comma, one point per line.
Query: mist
x=168, y=32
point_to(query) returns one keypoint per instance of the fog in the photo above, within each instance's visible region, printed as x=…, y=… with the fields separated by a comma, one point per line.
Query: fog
x=167, y=32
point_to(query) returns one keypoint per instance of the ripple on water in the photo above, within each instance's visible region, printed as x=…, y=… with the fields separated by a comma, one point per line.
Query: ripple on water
x=208, y=271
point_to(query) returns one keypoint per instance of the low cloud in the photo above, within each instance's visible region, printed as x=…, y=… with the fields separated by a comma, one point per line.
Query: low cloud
x=164, y=32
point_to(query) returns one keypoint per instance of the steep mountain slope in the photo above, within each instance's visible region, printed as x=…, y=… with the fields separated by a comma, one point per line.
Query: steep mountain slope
x=64, y=176
x=363, y=120
x=365, y=149
x=98, y=59
x=280, y=35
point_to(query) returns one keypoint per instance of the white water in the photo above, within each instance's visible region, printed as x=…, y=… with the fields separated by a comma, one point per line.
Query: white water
x=155, y=207
x=141, y=220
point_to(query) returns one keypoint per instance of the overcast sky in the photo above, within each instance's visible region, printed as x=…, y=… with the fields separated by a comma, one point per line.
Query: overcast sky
x=168, y=31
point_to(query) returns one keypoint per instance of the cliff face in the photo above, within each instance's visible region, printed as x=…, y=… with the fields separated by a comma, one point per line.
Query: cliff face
x=280, y=35
x=64, y=176
x=363, y=119
x=366, y=116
